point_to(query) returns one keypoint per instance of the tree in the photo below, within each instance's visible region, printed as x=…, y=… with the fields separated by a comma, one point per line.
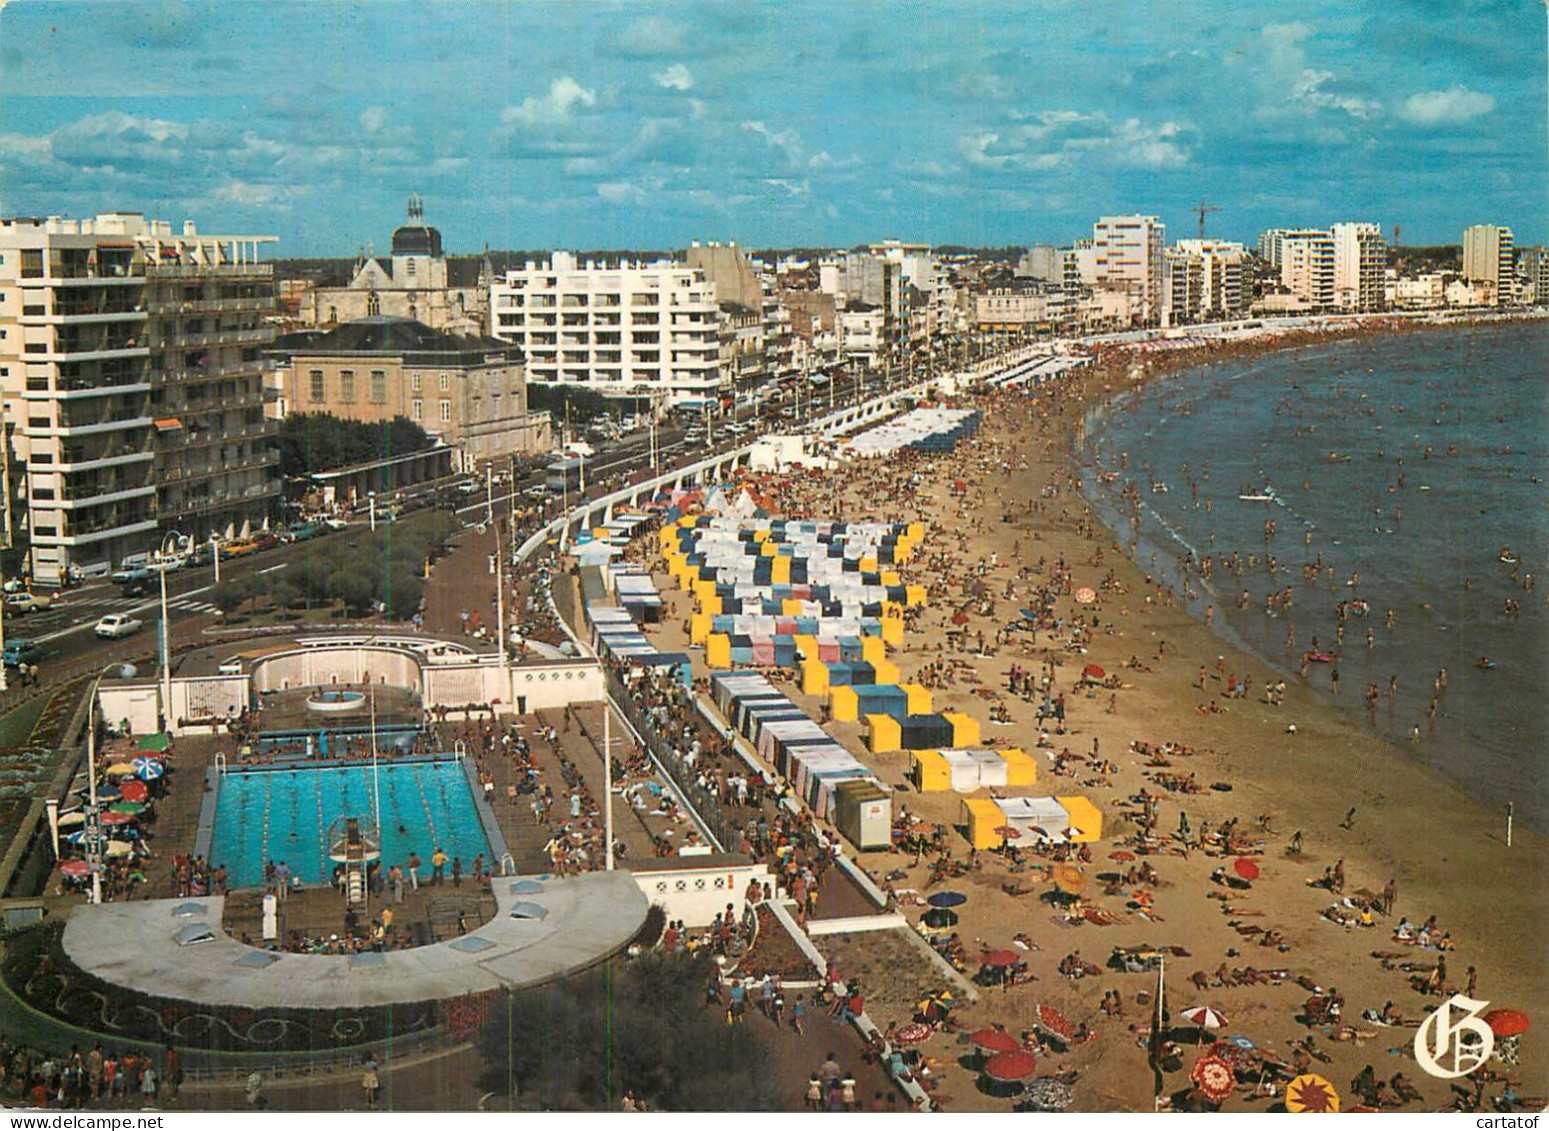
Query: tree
x=230, y=594
x=354, y=587
x=640, y=1025
x=315, y=441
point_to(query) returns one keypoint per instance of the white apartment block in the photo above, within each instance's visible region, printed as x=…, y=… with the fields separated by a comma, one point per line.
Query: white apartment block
x=1205, y=279
x=1306, y=260
x=132, y=379
x=626, y=329
x=1129, y=258
x=1488, y=258
x=1360, y=266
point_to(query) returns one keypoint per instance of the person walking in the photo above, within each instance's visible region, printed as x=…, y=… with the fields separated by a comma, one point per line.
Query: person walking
x=414, y=870
x=371, y=1084
x=438, y=861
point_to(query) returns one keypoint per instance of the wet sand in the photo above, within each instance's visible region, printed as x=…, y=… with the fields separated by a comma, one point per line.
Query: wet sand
x=1445, y=851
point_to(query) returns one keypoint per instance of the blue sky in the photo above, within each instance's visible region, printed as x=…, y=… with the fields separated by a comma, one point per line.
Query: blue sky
x=591, y=125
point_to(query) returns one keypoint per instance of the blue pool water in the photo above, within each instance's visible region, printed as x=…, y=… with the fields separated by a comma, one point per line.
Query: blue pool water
x=285, y=814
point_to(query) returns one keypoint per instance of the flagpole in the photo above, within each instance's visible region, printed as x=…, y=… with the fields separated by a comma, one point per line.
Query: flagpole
x=376, y=789
x=1159, y=1012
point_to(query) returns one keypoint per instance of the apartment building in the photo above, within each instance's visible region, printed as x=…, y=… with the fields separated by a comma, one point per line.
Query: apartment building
x=1128, y=257
x=1306, y=261
x=1360, y=266
x=131, y=376
x=1205, y=279
x=624, y=329
x=1488, y=258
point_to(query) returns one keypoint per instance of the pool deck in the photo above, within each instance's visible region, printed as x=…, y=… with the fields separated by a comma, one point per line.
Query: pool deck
x=133, y=944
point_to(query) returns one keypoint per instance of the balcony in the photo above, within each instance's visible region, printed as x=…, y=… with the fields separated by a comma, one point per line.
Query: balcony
x=124, y=424
x=204, y=270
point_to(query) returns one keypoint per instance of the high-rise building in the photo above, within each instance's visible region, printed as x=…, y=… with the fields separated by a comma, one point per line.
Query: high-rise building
x=1306, y=260
x=1488, y=258
x=622, y=329
x=131, y=372
x=1129, y=259
x=1205, y=279
x=1041, y=263
x=1360, y=266
x=1533, y=268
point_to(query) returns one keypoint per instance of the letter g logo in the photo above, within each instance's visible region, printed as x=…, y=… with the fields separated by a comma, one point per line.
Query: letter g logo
x=1453, y=1041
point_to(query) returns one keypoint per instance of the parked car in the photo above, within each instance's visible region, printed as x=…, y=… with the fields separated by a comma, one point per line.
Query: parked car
x=22, y=652
x=19, y=603
x=166, y=564
x=237, y=547
x=336, y=523
x=126, y=574
x=301, y=531
x=114, y=625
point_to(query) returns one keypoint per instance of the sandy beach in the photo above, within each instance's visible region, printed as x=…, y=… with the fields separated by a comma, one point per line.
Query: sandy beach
x=1004, y=510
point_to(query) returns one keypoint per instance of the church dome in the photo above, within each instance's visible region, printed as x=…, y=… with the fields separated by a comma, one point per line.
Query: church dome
x=416, y=237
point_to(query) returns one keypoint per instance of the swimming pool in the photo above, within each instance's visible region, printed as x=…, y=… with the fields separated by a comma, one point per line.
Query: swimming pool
x=285, y=814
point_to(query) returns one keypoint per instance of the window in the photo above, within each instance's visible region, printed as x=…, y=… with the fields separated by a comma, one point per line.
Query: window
x=416, y=409
x=374, y=304
x=316, y=377
x=446, y=381
x=409, y=265
x=416, y=380
x=446, y=412
x=378, y=386
x=346, y=384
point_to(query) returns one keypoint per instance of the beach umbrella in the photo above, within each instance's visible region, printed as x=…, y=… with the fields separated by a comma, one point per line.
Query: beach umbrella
x=130, y=807
x=1085, y=596
x=155, y=743
x=147, y=769
x=1121, y=855
x=1507, y=1022
x=1016, y=1065
x=1092, y=671
x=74, y=868
x=119, y=770
x=914, y=1033
x=994, y=1040
x=77, y=837
x=939, y=917
x=1311, y=1092
x=1205, y=1017
x=133, y=791
x=1213, y=1077
x=1055, y=1021
x=1242, y=1061
x=1069, y=879
x=112, y=818
x=1241, y=1042
x=1049, y=1092
x=946, y=899
x=1009, y=832
x=1000, y=958
x=118, y=848
x=66, y=820
x=1247, y=869
x=959, y=618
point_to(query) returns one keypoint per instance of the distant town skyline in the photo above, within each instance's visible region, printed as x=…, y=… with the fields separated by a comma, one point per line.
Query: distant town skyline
x=546, y=125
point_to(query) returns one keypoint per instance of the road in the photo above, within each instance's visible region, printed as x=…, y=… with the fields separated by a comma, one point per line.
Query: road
x=65, y=628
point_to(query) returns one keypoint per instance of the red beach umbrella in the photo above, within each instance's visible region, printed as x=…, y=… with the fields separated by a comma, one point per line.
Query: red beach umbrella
x=1086, y=596
x=1507, y=1022
x=1055, y=1021
x=133, y=790
x=1247, y=869
x=1213, y=1077
x=995, y=1040
x=1092, y=671
x=1205, y=1017
x=914, y=1033
x=1121, y=855
x=1015, y=1065
x=1000, y=958
x=74, y=868
x=111, y=818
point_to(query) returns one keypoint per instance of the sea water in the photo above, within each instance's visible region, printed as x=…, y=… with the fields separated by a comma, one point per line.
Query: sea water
x=1404, y=464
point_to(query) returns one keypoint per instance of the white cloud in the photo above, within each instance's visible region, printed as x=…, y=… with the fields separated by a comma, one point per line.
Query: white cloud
x=788, y=141
x=1051, y=139
x=1445, y=107
x=621, y=192
x=795, y=188
x=551, y=109
x=675, y=77
x=1286, y=71
x=373, y=118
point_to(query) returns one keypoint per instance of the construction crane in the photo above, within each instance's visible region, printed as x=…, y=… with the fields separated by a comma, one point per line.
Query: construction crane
x=1200, y=209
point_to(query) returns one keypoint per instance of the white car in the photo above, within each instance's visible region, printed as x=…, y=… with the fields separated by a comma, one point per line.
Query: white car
x=114, y=625
x=167, y=564
x=27, y=602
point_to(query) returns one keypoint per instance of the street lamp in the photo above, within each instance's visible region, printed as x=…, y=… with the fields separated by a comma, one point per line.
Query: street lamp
x=164, y=558
x=93, y=809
